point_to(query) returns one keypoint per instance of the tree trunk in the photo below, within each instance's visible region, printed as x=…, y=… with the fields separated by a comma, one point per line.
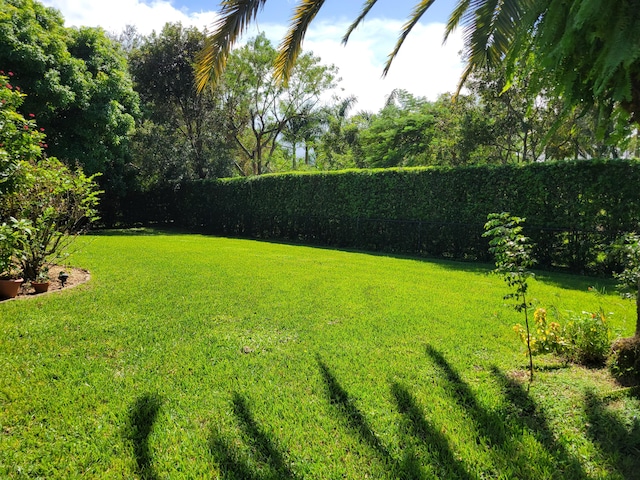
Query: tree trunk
x=294, y=146
x=638, y=310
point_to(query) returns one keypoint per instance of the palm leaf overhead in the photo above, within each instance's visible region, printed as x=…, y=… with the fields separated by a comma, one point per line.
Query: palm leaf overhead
x=489, y=27
x=417, y=13
x=588, y=49
x=235, y=17
x=304, y=13
x=365, y=11
x=490, y=30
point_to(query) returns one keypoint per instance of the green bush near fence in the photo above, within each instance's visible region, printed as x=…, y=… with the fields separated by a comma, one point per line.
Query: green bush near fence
x=573, y=209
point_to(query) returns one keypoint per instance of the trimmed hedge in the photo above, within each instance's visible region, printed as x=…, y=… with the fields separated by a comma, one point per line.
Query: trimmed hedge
x=573, y=209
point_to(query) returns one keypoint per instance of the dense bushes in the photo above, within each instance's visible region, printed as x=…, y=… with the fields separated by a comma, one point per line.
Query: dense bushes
x=573, y=209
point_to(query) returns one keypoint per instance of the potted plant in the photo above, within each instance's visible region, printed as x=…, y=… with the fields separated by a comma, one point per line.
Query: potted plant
x=41, y=283
x=12, y=238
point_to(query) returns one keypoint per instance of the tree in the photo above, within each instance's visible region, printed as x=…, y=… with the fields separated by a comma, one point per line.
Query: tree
x=339, y=145
x=524, y=127
x=259, y=108
x=412, y=131
x=400, y=135
x=45, y=203
x=303, y=130
x=512, y=251
x=587, y=49
x=78, y=87
x=629, y=278
x=183, y=133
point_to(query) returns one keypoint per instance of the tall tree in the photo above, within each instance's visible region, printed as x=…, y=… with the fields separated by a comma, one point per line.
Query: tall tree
x=259, y=108
x=339, y=144
x=588, y=49
x=185, y=129
x=525, y=127
x=412, y=131
x=77, y=86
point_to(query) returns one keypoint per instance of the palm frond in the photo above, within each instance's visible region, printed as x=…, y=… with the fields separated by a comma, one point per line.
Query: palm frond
x=235, y=17
x=491, y=30
x=291, y=45
x=417, y=13
x=456, y=17
x=366, y=8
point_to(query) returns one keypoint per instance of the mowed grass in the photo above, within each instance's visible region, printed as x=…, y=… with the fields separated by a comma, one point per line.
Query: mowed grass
x=189, y=356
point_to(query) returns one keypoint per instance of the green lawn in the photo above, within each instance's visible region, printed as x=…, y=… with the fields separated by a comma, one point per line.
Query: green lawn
x=189, y=356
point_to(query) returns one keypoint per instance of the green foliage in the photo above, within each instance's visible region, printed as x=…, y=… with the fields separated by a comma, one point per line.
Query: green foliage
x=629, y=248
x=624, y=362
x=183, y=133
x=512, y=252
x=259, y=108
x=629, y=277
x=13, y=238
x=584, y=339
x=57, y=203
x=77, y=86
x=590, y=50
x=19, y=137
x=588, y=338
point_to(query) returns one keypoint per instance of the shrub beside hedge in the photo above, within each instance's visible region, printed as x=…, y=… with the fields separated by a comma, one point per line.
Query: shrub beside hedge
x=573, y=209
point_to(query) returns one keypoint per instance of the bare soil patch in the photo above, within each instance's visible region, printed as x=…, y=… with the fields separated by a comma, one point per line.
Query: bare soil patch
x=77, y=276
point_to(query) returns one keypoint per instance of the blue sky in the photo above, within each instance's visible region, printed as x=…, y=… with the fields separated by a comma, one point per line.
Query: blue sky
x=277, y=10
x=424, y=66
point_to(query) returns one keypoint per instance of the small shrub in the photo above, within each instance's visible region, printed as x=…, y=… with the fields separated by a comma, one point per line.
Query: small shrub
x=625, y=359
x=587, y=337
x=584, y=339
x=58, y=203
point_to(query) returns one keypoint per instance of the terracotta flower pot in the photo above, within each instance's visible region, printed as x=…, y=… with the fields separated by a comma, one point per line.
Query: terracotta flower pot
x=40, y=287
x=9, y=288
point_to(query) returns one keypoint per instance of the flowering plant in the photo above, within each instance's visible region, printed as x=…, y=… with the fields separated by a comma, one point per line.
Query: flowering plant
x=12, y=239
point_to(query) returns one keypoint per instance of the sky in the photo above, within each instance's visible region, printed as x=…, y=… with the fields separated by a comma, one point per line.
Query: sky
x=424, y=67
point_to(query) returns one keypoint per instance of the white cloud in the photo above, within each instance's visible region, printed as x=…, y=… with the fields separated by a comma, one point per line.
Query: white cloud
x=423, y=66
x=114, y=15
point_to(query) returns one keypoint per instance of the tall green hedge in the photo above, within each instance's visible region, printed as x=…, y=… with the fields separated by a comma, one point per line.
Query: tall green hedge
x=573, y=209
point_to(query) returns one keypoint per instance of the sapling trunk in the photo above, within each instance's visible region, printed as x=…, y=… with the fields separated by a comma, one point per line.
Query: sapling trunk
x=526, y=321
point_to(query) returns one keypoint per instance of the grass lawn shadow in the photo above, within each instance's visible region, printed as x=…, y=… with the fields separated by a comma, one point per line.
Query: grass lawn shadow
x=502, y=430
x=416, y=424
x=142, y=416
x=266, y=460
x=357, y=422
x=528, y=415
x=617, y=438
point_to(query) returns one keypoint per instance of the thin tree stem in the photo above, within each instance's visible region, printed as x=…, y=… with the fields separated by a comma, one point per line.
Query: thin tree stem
x=526, y=321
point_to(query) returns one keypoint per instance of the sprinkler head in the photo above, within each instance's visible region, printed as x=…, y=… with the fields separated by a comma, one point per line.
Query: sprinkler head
x=63, y=277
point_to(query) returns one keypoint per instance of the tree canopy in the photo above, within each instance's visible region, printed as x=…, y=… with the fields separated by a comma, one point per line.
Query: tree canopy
x=182, y=135
x=78, y=89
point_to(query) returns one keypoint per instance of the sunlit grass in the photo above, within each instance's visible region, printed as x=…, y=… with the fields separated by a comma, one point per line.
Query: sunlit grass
x=199, y=357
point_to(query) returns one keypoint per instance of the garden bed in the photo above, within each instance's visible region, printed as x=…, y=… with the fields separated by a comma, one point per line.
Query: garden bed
x=77, y=276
